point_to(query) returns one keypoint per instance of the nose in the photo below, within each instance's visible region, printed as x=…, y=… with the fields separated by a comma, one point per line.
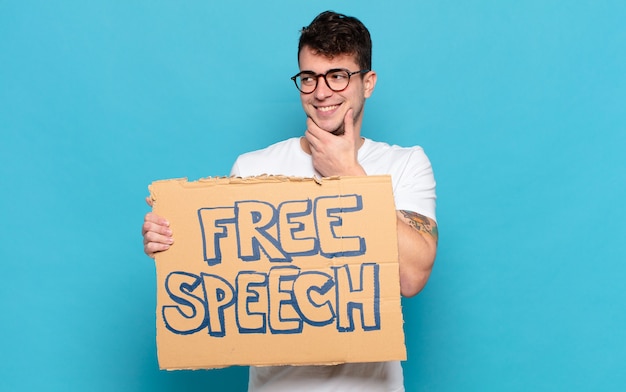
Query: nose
x=322, y=90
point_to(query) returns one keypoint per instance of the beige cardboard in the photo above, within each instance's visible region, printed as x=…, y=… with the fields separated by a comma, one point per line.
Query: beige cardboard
x=330, y=293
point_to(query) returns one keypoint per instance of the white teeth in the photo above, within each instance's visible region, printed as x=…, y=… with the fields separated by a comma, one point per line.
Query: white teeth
x=327, y=108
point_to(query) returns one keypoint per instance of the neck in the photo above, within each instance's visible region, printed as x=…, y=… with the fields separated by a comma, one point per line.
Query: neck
x=304, y=144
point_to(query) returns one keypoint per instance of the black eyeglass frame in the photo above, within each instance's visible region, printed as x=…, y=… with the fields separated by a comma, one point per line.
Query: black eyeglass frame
x=317, y=78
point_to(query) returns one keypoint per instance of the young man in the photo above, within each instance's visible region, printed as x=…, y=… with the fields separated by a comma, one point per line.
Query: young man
x=335, y=79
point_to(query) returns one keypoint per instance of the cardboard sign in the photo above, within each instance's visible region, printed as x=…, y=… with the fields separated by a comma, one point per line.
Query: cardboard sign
x=275, y=270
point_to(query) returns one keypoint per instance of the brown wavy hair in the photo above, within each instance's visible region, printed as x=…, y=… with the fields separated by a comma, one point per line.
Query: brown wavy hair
x=331, y=34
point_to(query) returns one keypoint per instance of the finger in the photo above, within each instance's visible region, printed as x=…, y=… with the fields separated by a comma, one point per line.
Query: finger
x=152, y=217
x=149, y=227
x=157, y=219
x=317, y=137
x=312, y=127
x=309, y=139
x=152, y=248
x=157, y=238
x=348, y=123
x=312, y=134
x=154, y=242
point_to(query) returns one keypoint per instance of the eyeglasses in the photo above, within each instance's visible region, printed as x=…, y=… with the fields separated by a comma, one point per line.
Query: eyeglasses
x=336, y=79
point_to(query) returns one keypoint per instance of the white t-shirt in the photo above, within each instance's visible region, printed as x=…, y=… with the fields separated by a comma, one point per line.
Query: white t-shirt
x=413, y=189
x=409, y=167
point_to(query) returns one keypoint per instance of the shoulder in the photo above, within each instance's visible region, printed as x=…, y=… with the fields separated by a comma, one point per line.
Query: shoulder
x=411, y=174
x=268, y=160
x=374, y=146
x=381, y=152
x=282, y=146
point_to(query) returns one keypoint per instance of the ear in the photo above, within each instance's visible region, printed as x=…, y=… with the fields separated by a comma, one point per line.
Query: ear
x=369, y=82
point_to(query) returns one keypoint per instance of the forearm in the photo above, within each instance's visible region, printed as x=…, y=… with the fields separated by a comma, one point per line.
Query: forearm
x=417, y=248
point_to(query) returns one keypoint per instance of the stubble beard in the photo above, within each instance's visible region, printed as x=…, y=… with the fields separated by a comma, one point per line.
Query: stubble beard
x=341, y=129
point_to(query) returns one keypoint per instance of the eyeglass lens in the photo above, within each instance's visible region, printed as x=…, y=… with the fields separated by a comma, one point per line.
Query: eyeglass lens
x=336, y=80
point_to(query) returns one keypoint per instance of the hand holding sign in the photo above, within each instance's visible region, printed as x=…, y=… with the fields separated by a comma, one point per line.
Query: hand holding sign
x=157, y=236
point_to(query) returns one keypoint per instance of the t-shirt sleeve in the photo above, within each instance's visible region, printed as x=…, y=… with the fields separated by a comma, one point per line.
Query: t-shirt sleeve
x=235, y=171
x=415, y=186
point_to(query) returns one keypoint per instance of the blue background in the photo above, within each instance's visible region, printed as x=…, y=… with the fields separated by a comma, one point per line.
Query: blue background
x=519, y=105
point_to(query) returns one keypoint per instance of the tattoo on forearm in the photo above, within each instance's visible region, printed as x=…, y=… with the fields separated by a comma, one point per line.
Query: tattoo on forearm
x=421, y=223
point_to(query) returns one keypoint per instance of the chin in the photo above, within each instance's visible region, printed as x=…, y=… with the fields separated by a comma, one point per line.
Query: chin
x=336, y=129
x=339, y=131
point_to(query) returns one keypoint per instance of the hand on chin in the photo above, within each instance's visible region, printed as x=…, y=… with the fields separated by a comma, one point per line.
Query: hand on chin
x=334, y=127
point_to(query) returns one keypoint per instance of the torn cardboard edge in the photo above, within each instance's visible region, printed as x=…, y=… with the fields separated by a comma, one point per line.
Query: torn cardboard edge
x=225, y=180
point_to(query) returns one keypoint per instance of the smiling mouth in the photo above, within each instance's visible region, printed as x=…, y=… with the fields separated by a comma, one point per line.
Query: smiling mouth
x=326, y=108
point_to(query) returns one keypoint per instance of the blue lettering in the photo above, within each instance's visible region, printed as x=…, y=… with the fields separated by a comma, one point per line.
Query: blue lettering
x=282, y=311
x=219, y=295
x=362, y=294
x=283, y=300
x=328, y=220
x=313, y=289
x=254, y=220
x=189, y=315
x=251, y=302
x=295, y=228
x=216, y=229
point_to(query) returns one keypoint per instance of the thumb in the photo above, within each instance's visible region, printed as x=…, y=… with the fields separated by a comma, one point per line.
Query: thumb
x=348, y=123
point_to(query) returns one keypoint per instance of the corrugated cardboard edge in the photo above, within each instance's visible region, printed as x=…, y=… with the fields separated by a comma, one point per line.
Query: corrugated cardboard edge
x=208, y=181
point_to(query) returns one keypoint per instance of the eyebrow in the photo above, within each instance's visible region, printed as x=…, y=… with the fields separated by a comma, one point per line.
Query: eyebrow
x=327, y=71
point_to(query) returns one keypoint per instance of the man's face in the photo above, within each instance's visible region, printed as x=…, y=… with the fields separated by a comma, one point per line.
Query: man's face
x=326, y=107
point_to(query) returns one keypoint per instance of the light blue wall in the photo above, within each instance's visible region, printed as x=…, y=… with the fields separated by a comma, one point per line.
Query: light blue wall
x=520, y=106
